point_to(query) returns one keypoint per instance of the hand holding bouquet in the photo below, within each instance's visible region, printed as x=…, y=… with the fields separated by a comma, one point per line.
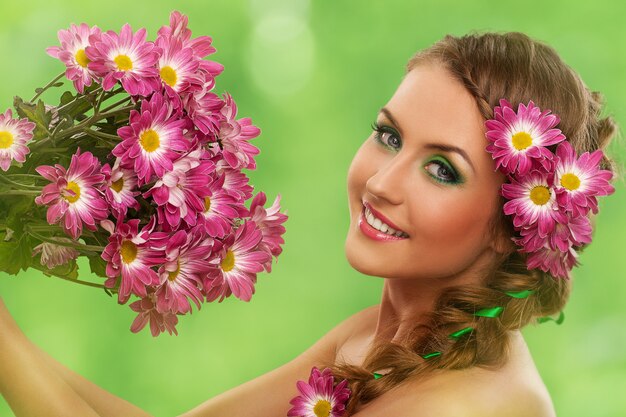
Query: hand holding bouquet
x=139, y=170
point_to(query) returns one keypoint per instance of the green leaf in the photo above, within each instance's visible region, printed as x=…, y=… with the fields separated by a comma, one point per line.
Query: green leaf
x=98, y=266
x=66, y=97
x=15, y=254
x=35, y=113
x=15, y=208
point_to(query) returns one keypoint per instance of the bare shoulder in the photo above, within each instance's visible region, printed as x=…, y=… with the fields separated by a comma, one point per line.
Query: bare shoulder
x=515, y=390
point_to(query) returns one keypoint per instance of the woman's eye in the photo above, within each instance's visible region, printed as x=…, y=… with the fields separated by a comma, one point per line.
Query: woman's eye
x=390, y=140
x=441, y=171
x=386, y=136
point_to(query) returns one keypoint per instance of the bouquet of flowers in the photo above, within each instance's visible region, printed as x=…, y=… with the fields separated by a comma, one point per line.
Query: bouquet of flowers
x=140, y=170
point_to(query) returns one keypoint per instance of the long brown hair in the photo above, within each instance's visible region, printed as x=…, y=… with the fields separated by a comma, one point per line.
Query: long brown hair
x=491, y=66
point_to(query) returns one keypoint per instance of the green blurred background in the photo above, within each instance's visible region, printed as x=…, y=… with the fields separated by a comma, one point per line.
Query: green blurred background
x=312, y=75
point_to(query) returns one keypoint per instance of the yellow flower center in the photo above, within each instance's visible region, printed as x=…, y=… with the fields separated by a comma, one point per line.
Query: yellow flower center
x=207, y=204
x=570, y=181
x=123, y=63
x=118, y=185
x=540, y=195
x=81, y=58
x=6, y=139
x=228, y=262
x=522, y=140
x=149, y=139
x=322, y=408
x=169, y=76
x=72, y=186
x=172, y=275
x=128, y=251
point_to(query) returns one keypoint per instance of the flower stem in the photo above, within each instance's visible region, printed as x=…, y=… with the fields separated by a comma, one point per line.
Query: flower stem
x=21, y=192
x=57, y=78
x=20, y=186
x=77, y=246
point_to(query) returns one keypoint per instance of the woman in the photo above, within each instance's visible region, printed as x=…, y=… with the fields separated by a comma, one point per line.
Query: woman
x=438, y=236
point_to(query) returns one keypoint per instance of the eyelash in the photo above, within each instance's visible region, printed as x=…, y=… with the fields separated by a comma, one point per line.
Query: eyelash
x=380, y=130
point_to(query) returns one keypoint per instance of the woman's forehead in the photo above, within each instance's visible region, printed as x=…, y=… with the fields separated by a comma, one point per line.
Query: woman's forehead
x=431, y=106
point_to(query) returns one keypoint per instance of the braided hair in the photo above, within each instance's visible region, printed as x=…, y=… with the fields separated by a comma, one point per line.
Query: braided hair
x=469, y=325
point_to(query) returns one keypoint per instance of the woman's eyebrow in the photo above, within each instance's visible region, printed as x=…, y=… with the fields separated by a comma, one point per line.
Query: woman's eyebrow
x=440, y=146
x=387, y=114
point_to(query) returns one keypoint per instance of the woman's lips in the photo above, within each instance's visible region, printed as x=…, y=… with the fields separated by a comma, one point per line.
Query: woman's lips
x=373, y=233
x=382, y=217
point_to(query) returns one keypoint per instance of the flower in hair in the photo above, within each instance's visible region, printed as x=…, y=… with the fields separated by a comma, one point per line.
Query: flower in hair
x=532, y=201
x=320, y=398
x=579, y=181
x=521, y=138
x=550, y=193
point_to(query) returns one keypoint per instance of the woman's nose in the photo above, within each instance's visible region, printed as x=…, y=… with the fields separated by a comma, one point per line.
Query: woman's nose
x=388, y=182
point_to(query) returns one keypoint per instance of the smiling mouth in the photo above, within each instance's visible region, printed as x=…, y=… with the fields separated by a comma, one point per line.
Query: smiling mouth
x=381, y=226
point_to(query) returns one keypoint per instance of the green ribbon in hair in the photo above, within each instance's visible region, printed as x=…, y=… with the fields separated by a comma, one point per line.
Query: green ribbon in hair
x=558, y=320
x=489, y=312
x=519, y=294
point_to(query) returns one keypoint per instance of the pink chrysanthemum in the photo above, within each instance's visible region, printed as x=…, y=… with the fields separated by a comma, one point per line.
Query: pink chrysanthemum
x=120, y=188
x=72, y=53
x=159, y=321
x=152, y=140
x=177, y=29
x=203, y=107
x=187, y=256
x=236, y=183
x=578, y=182
x=270, y=222
x=180, y=193
x=127, y=58
x=220, y=209
x=532, y=200
x=556, y=262
x=131, y=255
x=518, y=138
x=53, y=255
x=320, y=398
x=74, y=196
x=14, y=136
x=177, y=65
x=234, y=136
x=576, y=232
x=239, y=261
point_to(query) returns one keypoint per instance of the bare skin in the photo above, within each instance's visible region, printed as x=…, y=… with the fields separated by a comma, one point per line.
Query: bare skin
x=513, y=390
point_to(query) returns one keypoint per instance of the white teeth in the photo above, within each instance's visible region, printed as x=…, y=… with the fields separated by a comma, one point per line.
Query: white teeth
x=377, y=224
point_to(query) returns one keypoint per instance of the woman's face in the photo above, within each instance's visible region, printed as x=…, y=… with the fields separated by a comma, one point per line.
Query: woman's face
x=442, y=199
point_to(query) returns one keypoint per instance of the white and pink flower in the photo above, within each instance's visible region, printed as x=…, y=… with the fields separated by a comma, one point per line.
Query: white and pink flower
x=320, y=397
x=53, y=255
x=187, y=254
x=236, y=268
x=74, y=42
x=120, y=188
x=125, y=57
x=234, y=136
x=519, y=138
x=159, y=321
x=180, y=193
x=270, y=221
x=220, y=209
x=15, y=134
x=153, y=140
x=579, y=181
x=74, y=197
x=130, y=256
